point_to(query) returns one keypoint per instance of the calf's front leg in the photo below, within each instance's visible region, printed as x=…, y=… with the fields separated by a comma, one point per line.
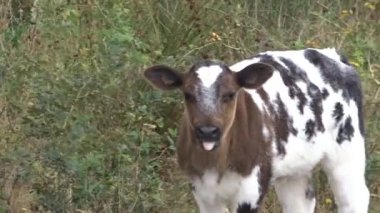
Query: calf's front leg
x=251, y=192
x=208, y=205
x=295, y=194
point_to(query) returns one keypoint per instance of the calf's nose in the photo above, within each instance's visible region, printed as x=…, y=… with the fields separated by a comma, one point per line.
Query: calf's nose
x=208, y=132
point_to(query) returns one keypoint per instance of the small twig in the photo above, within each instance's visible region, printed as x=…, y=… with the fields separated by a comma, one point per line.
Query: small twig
x=231, y=47
x=280, y=15
x=371, y=70
x=106, y=18
x=344, y=36
x=72, y=106
x=3, y=109
x=10, y=181
x=159, y=156
x=136, y=200
x=322, y=5
x=326, y=20
x=375, y=195
x=377, y=93
x=197, y=48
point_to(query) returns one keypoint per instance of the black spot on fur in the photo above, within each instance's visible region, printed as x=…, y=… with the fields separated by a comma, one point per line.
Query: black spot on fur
x=352, y=83
x=338, y=112
x=281, y=132
x=328, y=68
x=344, y=59
x=346, y=131
x=302, y=101
x=291, y=127
x=296, y=72
x=310, y=129
x=282, y=124
x=246, y=208
x=325, y=93
x=290, y=75
x=346, y=80
x=316, y=105
x=313, y=90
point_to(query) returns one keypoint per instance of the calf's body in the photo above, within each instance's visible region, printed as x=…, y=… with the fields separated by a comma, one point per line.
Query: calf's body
x=270, y=120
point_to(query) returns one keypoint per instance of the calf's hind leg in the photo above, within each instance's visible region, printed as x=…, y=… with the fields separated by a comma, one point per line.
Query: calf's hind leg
x=345, y=170
x=296, y=194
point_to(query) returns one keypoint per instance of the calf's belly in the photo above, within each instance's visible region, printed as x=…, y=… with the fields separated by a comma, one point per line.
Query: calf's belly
x=300, y=157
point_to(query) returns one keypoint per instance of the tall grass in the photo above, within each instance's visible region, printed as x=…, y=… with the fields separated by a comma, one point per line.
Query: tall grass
x=81, y=131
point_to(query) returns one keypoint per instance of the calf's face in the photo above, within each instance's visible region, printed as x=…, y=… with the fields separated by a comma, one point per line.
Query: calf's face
x=210, y=90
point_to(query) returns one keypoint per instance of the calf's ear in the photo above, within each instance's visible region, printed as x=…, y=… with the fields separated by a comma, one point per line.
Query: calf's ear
x=254, y=75
x=163, y=77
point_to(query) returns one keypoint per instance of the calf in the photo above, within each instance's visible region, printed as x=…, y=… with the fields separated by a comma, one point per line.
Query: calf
x=270, y=119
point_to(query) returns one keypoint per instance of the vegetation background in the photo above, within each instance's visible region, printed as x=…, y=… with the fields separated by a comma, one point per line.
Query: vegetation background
x=81, y=131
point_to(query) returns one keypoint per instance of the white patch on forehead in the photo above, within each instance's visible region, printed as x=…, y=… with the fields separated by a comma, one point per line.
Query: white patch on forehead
x=208, y=75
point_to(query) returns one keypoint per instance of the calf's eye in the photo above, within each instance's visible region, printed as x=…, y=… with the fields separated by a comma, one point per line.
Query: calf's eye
x=228, y=97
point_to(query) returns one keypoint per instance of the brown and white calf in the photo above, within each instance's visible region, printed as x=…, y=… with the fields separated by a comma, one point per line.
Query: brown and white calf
x=270, y=120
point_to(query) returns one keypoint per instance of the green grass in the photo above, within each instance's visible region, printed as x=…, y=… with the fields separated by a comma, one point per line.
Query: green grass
x=81, y=131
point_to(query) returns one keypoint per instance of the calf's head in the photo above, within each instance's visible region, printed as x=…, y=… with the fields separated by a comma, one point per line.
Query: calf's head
x=210, y=90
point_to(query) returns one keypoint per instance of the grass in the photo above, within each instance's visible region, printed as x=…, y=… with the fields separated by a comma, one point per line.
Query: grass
x=81, y=131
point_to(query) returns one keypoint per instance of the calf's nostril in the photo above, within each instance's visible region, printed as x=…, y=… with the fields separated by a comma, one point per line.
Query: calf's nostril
x=207, y=131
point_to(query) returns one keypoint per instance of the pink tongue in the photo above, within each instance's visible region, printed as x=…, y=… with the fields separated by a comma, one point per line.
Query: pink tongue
x=208, y=145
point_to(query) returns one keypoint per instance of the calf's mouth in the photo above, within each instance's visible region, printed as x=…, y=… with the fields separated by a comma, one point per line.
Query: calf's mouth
x=209, y=145
x=208, y=136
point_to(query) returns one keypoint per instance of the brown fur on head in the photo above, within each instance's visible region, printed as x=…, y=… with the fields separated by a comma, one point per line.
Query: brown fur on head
x=210, y=89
